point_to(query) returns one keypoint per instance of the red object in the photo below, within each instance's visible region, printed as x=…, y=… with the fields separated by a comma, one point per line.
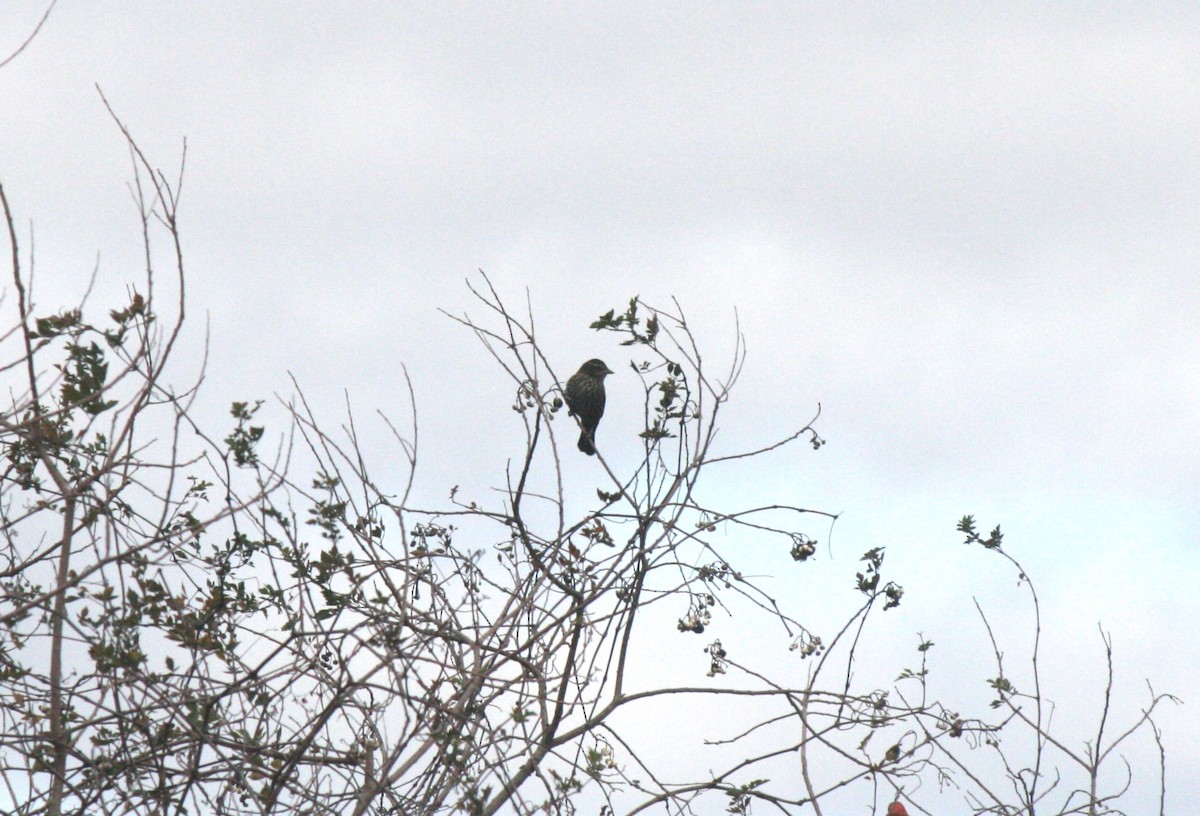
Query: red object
x=896, y=809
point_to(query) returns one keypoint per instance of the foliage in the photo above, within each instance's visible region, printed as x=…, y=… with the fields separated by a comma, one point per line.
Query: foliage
x=192, y=624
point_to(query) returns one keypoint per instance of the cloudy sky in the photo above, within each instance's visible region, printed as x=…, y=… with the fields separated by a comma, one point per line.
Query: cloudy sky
x=970, y=231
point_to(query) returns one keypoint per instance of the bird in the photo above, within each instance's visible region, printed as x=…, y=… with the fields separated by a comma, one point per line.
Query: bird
x=896, y=809
x=585, y=399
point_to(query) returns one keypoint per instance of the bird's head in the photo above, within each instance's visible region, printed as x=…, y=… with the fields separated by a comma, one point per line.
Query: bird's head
x=896, y=809
x=595, y=368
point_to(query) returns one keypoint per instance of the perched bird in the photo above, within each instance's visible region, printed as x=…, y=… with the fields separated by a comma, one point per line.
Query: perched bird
x=896, y=809
x=585, y=399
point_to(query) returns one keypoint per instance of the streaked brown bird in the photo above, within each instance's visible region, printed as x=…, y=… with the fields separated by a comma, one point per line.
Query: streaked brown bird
x=585, y=399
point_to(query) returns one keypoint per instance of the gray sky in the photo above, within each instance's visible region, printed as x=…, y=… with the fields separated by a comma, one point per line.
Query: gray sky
x=969, y=230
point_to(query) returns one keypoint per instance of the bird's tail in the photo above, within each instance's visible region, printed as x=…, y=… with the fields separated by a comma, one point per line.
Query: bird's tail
x=585, y=444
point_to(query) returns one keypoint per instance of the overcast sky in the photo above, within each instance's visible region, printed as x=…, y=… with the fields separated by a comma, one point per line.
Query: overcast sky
x=970, y=231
